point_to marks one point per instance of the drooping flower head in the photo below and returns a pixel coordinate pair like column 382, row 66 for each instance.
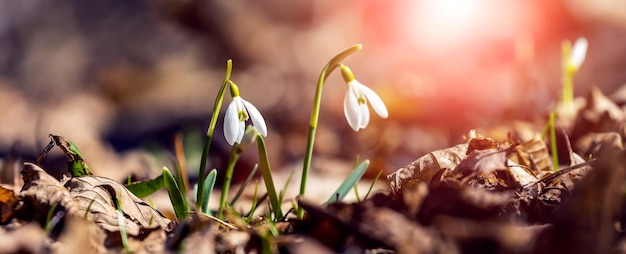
column 237, row 113
column 574, row 56
column 355, row 102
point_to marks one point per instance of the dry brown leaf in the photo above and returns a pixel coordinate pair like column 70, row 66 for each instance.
column 42, row 191
column 427, row 166
column 7, row 203
column 76, row 195
column 533, row 155
column 483, row 161
column 600, row 114
column 103, row 192
column 590, row 144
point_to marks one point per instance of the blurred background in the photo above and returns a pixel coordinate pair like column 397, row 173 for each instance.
column 121, row 78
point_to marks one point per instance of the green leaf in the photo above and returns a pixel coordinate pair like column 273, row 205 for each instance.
column 243, row 186
column 350, row 182
column 266, row 172
column 144, row 188
column 181, row 207
column 209, row 183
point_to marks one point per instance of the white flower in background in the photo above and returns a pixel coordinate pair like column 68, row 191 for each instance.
column 237, row 113
column 578, row 54
column 355, row 102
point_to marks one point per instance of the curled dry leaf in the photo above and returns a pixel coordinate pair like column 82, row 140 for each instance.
column 483, row 161
column 427, row 166
column 42, row 191
column 94, row 195
column 533, row 155
column 590, row 144
column 600, row 114
column 101, row 193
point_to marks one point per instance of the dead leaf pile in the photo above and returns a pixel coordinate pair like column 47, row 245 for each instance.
column 484, row 196
column 53, row 204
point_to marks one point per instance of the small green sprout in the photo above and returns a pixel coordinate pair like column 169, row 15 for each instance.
column 76, row 163
column 178, row 199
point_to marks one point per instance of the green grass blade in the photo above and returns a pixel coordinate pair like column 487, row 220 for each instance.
column 254, row 203
column 180, row 182
column 350, row 181
column 181, row 207
column 266, row 172
column 281, row 196
column 243, row 186
column 209, row 183
column 48, row 226
column 122, row 223
column 145, row 188
column 380, row 173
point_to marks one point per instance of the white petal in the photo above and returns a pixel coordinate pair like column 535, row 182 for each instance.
column 579, row 52
column 365, row 115
column 351, row 110
column 377, row 103
column 231, row 123
column 257, row 118
column 241, row 129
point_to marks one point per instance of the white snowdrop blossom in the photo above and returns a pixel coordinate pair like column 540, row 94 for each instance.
column 355, row 102
column 237, row 113
column 578, row 53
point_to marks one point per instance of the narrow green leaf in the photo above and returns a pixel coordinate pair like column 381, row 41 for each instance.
column 243, row 186
column 48, row 226
column 209, row 183
column 281, row 196
column 350, row 181
column 145, row 188
column 380, row 173
column 266, row 172
column 181, row 207
column 180, row 182
column 122, row 223
column 254, row 203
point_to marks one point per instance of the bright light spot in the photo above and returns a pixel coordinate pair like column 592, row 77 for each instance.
column 453, row 14
column 442, row 24
column 446, row 19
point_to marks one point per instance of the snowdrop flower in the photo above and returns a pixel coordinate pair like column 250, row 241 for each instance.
column 577, row 54
column 355, row 102
column 237, row 113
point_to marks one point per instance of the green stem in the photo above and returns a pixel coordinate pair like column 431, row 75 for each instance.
column 555, row 156
column 232, row 161
column 209, row 135
column 328, row 69
column 568, row 88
